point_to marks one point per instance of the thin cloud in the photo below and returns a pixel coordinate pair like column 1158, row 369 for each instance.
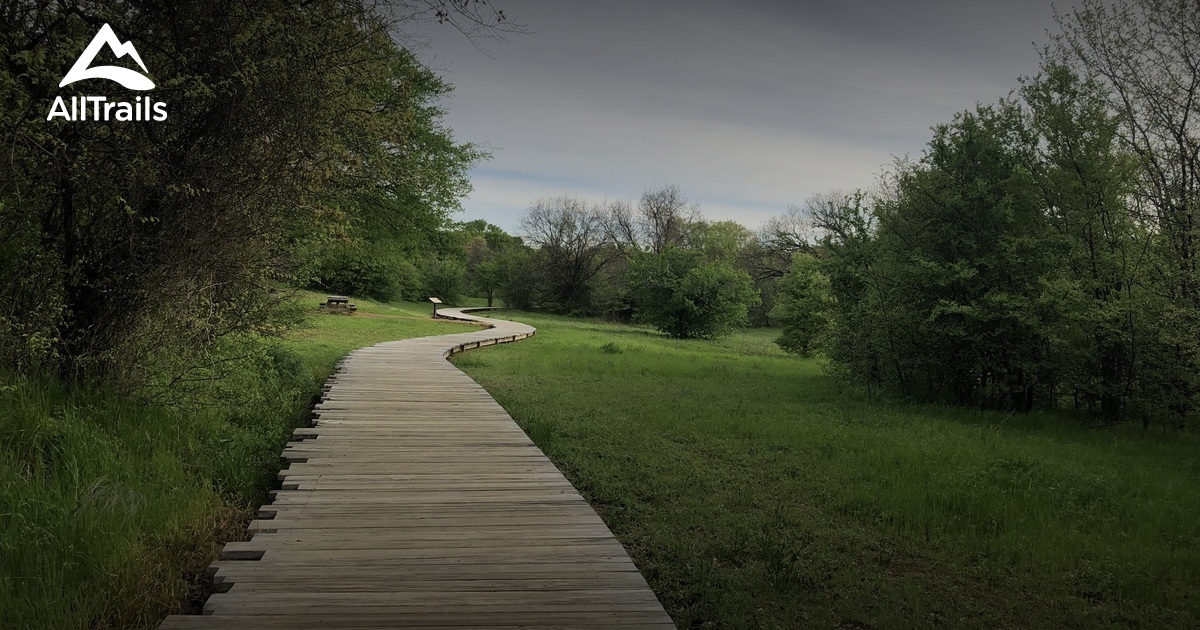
column 761, row 103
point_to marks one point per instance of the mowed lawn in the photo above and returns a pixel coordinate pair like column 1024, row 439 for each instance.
column 753, row 492
column 326, row 338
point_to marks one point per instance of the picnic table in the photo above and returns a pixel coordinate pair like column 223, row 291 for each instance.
column 338, row 305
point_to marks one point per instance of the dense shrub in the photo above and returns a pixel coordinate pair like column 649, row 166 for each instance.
column 803, row 306
column 357, row 271
column 685, row 296
column 443, row 278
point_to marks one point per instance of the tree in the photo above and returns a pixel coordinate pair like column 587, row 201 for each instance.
column 397, row 212
column 573, row 247
column 768, row 258
column 949, row 291
column 518, row 270
column 1086, row 182
column 279, row 114
column 686, row 296
column 804, row 306
column 664, row 218
column 1143, row 54
column 485, row 244
column 722, row 240
column 791, row 233
column 829, row 297
column 444, row 278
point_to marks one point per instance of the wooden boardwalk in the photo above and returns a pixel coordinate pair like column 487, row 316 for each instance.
column 417, row 502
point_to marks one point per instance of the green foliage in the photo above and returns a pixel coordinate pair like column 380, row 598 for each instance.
column 357, row 270
column 408, row 280
column 485, row 247
column 111, row 509
column 518, row 270
column 686, row 297
column 803, row 307
column 1015, row 265
column 583, row 259
column 290, row 125
column 1086, row 183
column 1138, row 61
column 443, row 278
column 962, row 251
column 752, row 490
column 487, row 277
column 723, row 240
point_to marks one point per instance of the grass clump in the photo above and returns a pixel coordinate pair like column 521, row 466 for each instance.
column 110, row 508
column 611, row 348
column 753, row 492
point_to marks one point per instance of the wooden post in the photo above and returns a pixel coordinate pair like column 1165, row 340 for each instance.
column 435, row 305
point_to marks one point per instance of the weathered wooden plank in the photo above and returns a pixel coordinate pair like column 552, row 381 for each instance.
column 413, row 501
column 451, row 620
column 516, row 571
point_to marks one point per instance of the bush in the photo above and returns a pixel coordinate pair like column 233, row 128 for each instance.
column 803, row 306
column 408, row 280
column 354, row 270
column 687, row 297
column 519, row 283
column 444, row 278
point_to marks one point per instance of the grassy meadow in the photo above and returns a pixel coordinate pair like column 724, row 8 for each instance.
column 753, row 492
column 749, row 488
column 110, row 509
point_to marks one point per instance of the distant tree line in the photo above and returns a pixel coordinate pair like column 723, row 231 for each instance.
column 1042, row 252
column 657, row 261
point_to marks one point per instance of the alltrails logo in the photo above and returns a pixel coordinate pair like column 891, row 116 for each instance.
column 99, row 107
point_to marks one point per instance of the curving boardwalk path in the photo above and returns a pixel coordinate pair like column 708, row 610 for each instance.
column 416, row 502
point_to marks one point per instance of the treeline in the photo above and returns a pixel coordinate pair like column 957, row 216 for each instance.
column 657, row 261
column 1043, row 251
column 449, row 262
column 153, row 251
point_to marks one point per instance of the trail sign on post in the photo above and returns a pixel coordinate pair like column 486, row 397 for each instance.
column 435, row 303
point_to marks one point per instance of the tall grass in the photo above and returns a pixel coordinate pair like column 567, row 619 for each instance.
column 111, row 509
column 104, row 507
column 754, row 492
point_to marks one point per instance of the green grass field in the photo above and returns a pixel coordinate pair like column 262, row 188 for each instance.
column 753, row 492
column 110, row 509
column 750, row 490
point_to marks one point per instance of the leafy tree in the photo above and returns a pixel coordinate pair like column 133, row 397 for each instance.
column 1086, row 183
column 443, row 278
column 722, row 240
column 769, row 256
column 843, row 228
column 485, row 243
column 1041, row 253
column 1142, row 54
column 686, row 296
column 488, row 277
column 399, row 213
column 948, row 293
column 804, row 305
column 358, row 270
column 518, row 269
column 285, row 119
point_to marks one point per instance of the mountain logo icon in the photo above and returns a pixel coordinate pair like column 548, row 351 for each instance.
column 126, row 77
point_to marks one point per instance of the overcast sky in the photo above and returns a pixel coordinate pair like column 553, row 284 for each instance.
column 747, row 106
